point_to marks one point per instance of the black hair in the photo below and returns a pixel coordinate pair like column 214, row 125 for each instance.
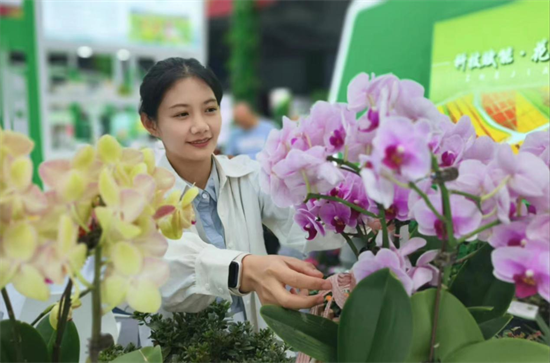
column 162, row 76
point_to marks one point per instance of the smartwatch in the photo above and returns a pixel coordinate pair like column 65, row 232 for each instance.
column 235, row 272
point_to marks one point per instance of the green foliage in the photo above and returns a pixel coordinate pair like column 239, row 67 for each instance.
column 210, row 336
column 376, row 323
column 115, row 351
column 456, row 327
column 70, row 344
column 147, row 354
column 33, row 347
column 315, row 336
column 502, row 350
column 244, row 44
column 475, row 285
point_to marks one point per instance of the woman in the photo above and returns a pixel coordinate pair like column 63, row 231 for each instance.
column 224, row 254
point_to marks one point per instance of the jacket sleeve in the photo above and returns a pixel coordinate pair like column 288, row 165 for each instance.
column 281, row 222
column 198, row 274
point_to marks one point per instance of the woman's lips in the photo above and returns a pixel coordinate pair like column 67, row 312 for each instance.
column 200, row 143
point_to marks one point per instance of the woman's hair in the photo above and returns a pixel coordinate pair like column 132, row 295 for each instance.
column 162, row 76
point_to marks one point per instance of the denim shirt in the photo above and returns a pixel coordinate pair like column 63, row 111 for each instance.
column 209, row 224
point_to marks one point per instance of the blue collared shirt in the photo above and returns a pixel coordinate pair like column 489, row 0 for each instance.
column 209, row 224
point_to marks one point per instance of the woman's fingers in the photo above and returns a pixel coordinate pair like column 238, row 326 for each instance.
column 296, row 302
column 302, row 266
column 301, row 281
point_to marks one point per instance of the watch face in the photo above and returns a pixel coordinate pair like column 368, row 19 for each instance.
column 233, row 279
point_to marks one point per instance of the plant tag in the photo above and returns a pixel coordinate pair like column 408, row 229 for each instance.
column 523, row 310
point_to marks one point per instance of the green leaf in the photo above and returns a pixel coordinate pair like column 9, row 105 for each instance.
column 307, row 333
column 147, row 354
column 70, row 344
column 456, row 327
column 492, row 327
column 506, row 350
column 475, row 284
column 376, row 322
column 33, row 346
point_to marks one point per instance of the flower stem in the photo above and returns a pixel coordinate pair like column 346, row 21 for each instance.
column 382, row 218
column 475, row 198
column 495, row 191
column 479, row 230
column 15, row 327
column 49, row 308
column 64, row 308
column 351, row 244
column 436, row 316
column 427, row 200
column 96, row 308
column 343, row 162
column 340, row 200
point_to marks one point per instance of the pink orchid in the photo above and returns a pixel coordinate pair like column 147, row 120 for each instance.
column 335, row 216
column 466, row 217
column 402, row 147
column 309, row 223
column 528, row 268
column 538, row 144
column 302, row 172
column 369, row 263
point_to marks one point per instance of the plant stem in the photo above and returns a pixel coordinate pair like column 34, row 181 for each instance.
column 42, row 314
column 350, row 170
column 427, row 200
column 96, row 308
column 382, row 218
column 14, row 325
column 340, row 200
column 64, row 308
column 343, row 162
column 480, row 229
column 467, row 195
column 351, row 244
column 544, row 328
column 436, row 316
column 397, row 235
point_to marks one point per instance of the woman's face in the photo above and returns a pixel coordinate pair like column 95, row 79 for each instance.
column 189, row 120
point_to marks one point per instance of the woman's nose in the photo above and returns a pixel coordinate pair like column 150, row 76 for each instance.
column 199, row 125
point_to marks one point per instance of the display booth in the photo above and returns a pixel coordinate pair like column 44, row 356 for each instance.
column 485, row 63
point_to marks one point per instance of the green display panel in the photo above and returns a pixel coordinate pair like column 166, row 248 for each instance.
column 394, row 36
column 19, row 72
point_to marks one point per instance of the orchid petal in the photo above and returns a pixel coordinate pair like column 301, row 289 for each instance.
column 50, row 171
column 66, row 235
column 127, row 259
column 109, row 150
column 149, row 159
column 21, row 173
column 20, row 241
column 30, row 283
column 131, row 204
column 113, row 290
column 84, row 158
column 144, row 296
column 109, row 189
column 189, row 196
column 73, row 186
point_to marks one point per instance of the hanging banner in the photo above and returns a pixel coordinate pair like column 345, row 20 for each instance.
column 492, row 67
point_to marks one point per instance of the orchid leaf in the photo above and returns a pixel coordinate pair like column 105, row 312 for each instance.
column 307, row 333
column 376, row 323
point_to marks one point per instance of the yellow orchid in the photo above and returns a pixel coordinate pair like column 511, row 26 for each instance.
column 20, row 244
column 18, row 196
column 134, row 278
column 64, row 256
column 54, row 315
column 183, row 217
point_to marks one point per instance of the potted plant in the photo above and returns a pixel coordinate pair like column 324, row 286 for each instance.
column 417, row 189
column 107, row 203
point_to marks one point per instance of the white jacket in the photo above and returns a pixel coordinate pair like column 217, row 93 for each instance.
column 199, row 271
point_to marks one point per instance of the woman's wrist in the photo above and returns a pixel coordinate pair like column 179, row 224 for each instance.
column 248, row 276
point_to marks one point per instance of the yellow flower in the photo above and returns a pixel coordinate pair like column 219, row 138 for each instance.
column 19, row 249
column 183, row 217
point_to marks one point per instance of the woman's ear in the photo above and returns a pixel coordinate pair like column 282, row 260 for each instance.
column 149, row 124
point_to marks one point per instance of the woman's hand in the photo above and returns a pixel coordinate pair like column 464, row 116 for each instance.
column 269, row 275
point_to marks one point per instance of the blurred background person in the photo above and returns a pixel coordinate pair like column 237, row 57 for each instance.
column 250, row 132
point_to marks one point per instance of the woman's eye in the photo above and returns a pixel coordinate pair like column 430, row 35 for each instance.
column 212, row 109
column 183, row 114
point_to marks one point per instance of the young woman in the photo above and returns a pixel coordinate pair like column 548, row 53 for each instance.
column 224, row 254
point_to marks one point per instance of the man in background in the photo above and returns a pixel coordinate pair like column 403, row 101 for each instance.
column 250, row 134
